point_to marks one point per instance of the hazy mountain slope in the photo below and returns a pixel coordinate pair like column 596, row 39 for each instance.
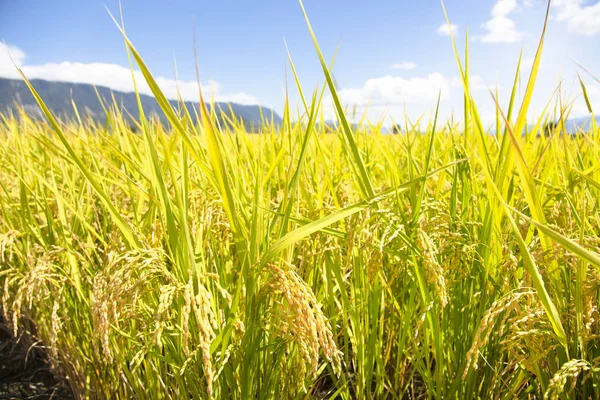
column 58, row 95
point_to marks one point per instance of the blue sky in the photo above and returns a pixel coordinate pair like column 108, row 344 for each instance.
column 393, row 54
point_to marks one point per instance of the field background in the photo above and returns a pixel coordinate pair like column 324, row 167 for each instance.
column 197, row 260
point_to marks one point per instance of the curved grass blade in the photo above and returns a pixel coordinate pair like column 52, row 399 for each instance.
column 531, row 267
column 130, row 238
column 315, row 226
column 575, row 248
column 585, row 95
column 364, row 180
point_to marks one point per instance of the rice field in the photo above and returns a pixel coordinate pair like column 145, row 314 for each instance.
column 195, row 260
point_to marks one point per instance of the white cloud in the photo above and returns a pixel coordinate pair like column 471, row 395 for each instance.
column 406, row 65
column 7, row 69
column 503, row 7
column 389, row 95
column 446, row 30
column 476, row 83
column 527, row 64
column 593, row 90
column 113, row 76
column 500, row 28
column 394, row 96
column 394, row 90
column 580, row 18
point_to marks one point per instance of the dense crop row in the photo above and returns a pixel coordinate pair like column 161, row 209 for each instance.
column 198, row 260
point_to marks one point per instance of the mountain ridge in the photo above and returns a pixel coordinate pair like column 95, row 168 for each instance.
column 58, row 96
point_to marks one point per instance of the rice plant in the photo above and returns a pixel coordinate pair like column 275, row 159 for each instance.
column 195, row 260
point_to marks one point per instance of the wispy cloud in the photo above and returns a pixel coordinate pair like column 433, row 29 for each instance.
column 114, row 76
column 446, row 30
column 500, row 28
column 580, row 18
column 405, row 65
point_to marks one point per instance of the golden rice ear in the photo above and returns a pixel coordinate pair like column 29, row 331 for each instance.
column 571, row 370
column 300, row 319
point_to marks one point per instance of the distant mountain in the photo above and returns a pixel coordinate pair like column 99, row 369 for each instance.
column 58, row 95
column 571, row 125
column 335, row 125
